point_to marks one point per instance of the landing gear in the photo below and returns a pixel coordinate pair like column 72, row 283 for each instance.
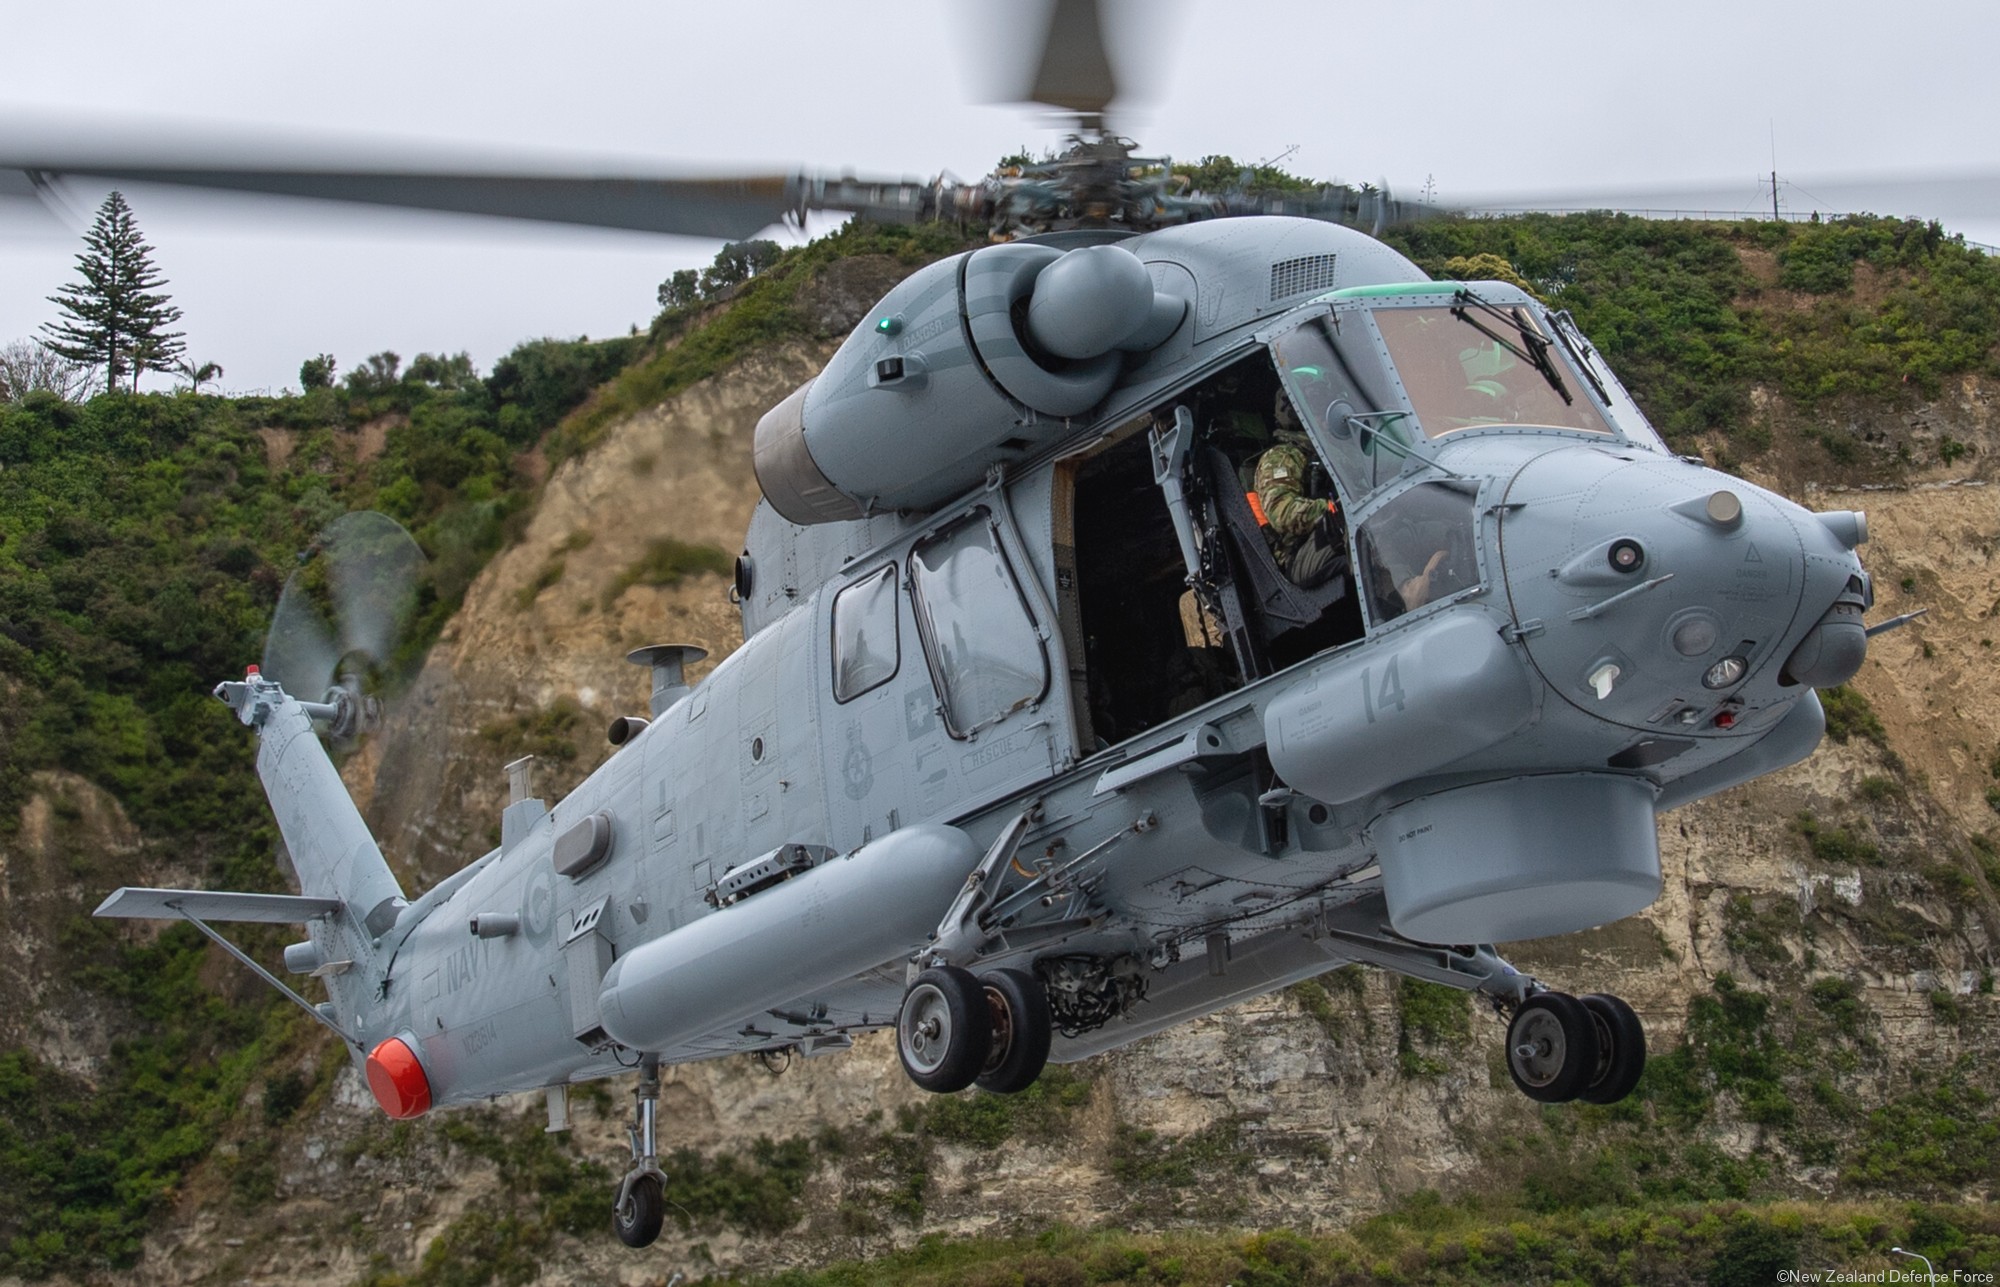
column 640, row 1213
column 1561, row 1048
column 1552, row 1047
column 956, row 1030
column 641, row 1206
column 943, row 1033
column 1022, row 1030
column 1621, row 1049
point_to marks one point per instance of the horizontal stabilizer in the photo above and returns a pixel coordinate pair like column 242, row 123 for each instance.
column 214, row 905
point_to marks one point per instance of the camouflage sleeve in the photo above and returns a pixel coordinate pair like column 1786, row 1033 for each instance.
column 1281, row 488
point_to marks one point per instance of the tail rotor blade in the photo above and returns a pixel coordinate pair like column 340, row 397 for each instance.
column 372, row 570
column 300, row 652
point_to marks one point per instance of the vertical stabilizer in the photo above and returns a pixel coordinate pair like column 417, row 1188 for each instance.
column 331, row 847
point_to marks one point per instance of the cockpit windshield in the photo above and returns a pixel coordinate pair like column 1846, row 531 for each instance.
column 1474, row 365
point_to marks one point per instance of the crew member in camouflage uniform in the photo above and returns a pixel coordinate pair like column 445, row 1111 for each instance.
column 1293, row 522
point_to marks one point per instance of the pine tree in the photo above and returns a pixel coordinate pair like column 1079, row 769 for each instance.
column 114, row 318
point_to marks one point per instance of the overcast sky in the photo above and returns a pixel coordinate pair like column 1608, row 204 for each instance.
column 1534, row 96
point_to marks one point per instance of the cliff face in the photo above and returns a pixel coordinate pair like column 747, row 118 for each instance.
column 1822, row 955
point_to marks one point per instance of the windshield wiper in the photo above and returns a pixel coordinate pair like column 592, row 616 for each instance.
column 1537, row 352
column 1572, row 339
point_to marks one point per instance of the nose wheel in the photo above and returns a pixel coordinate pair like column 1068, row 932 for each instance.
column 956, row 1029
column 640, row 1208
column 1561, row 1048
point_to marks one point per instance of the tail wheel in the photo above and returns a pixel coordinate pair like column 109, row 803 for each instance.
column 942, row 1032
column 1621, row 1054
column 1022, row 1031
column 1552, row 1047
column 640, row 1212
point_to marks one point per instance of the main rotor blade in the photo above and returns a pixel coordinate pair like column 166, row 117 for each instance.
column 722, row 207
column 387, row 172
column 1074, row 70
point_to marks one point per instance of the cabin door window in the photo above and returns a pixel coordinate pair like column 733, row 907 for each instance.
column 985, row 651
column 866, row 650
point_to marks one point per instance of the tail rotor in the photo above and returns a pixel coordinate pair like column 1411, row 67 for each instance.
column 341, row 616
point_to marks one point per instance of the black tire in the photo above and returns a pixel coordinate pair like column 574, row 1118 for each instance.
column 942, row 1032
column 638, row 1218
column 1621, row 1054
column 1018, row 1010
column 1559, row 1039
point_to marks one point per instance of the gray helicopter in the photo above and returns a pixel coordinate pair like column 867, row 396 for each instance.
column 1041, row 739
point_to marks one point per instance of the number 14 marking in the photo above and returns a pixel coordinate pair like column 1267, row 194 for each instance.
column 1390, row 694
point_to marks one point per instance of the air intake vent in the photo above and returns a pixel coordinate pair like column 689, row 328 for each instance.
column 1301, row 276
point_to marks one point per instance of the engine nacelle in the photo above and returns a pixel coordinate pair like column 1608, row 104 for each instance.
column 971, row 362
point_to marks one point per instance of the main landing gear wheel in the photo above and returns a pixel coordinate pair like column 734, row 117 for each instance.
column 942, row 1032
column 1022, row 1028
column 1621, row 1049
column 1552, row 1047
column 640, row 1212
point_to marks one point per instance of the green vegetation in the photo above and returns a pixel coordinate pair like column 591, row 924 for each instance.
column 1425, row 1239
column 1334, row 1001
column 1934, row 1140
column 1678, row 310
column 114, row 318
column 1839, row 846
column 82, row 1165
column 545, row 733
column 757, row 1195
column 1848, row 716
column 1758, row 935
column 1879, row 790
column 737, row 262
column 143, row 542
column 548, row 1192
column 1433, row 1016
column 1145, row 1158
column 1040, row 1113
column 1217, row 174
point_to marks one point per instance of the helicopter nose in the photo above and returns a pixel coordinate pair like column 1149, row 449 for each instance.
column 1660, row 594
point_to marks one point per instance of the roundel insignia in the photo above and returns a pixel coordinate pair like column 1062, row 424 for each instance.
column 538, row 905
column 857, row 767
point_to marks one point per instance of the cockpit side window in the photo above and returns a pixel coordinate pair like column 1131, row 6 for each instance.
column 1326, row 395
column 1460, row 374
column 1419, row 548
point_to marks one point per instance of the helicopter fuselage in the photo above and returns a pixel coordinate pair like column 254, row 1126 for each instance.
column 1476, row 763
column 1027, row 687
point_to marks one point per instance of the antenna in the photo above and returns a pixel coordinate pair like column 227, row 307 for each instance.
column 1278, row 159
column 1775, row 216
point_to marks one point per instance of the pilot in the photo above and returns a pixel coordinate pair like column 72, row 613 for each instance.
column 1301, row 528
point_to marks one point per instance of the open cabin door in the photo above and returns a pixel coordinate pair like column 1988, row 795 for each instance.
column 1176, row 594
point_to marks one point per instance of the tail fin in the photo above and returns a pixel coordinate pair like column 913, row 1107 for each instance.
column 348, row 897
column 331, row 847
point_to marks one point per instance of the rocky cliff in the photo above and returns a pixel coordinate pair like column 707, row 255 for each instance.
column 1817, row 979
